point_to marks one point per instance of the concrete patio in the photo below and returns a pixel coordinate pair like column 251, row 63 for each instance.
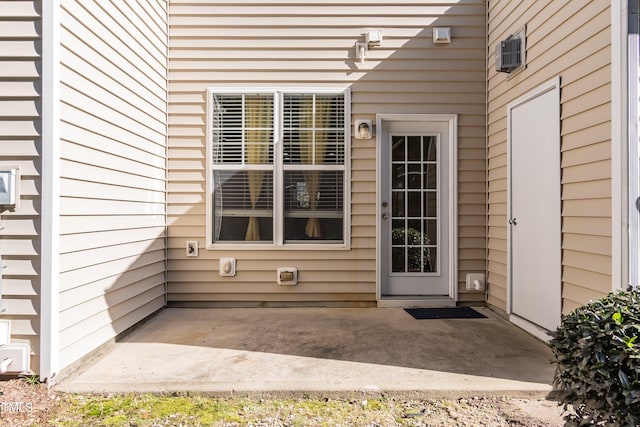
column 334, row 351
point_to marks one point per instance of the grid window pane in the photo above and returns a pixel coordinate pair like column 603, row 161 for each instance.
column 311, row 163
column 313, row 203
column 313, row 129
column 242, row 129
column 414, row 204
column 243, row 205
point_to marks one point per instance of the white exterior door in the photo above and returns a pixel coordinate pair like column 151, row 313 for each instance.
column 415, row 256
column 535, row 216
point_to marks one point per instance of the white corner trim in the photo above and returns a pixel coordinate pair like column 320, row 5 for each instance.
column 618, row 138
column 50, row 196
column 631, row 239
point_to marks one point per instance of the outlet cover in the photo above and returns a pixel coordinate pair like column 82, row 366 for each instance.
column 287, row 276
column 19, row 353
column 10, row 187
column 192, row 248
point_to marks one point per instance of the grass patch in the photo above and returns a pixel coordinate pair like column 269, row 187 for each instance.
column 146, row 410
column 153, row 410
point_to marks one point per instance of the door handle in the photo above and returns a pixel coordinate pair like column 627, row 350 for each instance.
column 385, row 216
column 513, row 221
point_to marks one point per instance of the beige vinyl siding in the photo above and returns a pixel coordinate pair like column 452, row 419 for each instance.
column 571, row 40
column 247, row 43
column 113, row 155
column 20, row 145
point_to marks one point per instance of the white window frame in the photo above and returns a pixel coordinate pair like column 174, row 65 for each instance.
column 279, row 169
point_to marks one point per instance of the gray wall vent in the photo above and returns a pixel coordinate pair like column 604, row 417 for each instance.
column 508, row 55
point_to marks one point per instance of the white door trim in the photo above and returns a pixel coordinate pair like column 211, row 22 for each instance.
column 540, row 90
column 452, row 123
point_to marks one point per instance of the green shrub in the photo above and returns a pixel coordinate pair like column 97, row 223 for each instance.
column 597, row 352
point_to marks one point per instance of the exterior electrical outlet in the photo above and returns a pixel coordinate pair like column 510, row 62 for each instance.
column 287, row 276
column 19, row 354
column 192, row 248
column 9, row 187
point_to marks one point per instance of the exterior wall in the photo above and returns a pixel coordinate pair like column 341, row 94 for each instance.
column 20, row 145
column 244, row 43
column 571, row 40
column 113, row 144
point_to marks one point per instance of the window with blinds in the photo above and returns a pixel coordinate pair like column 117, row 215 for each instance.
column 278, row 167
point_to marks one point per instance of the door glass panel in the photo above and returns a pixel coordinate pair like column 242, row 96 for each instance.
column 429, row 149
column 397, row 205
column 414, row 205
column 413, row 150
column 414, row 259
column 398, row 176
column 429, row 260
column 414, row 202
column 431, row 232
column 398, row 233
column 430, row 176
column 397, row 151
column 397, row 260
column 415, row 176
column 430, row 204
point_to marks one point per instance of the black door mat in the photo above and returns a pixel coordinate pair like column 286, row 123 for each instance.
column 445, row 313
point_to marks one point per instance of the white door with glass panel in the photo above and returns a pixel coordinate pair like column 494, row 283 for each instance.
column 414, row 209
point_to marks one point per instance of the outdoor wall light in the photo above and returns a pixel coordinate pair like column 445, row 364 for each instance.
column 372, row 38
column 363, row 129
column 441, row 35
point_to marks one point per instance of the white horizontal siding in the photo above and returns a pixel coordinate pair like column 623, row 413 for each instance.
column 20, row 145
column 112, row 187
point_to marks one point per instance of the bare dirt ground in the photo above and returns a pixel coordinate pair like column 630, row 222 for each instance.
column 26, row 404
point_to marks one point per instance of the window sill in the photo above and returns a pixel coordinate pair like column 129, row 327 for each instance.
column 272, row 247
column 267, row 213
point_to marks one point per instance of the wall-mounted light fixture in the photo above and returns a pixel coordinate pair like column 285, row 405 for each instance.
column 372, row 38
column 363, row 129
column 441, row 35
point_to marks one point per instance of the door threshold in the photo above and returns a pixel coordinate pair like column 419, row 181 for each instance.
column 410, row 301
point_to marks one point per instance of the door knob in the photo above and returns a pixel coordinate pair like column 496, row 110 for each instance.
column 385, row 216
column 513, row 221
